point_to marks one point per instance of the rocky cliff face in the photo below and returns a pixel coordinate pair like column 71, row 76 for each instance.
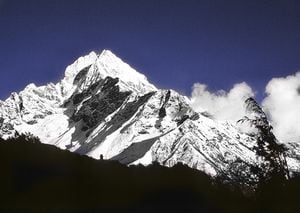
column 105, row 107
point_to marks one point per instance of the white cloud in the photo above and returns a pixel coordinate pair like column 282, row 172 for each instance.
column 221, row 104
column 282, row 104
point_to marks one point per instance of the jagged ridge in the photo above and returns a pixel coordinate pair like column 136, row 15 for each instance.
column 105, row 107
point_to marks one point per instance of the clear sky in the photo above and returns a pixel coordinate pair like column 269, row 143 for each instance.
column 175, row 43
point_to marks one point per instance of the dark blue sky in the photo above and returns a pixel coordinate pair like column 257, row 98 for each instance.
column 174, row 42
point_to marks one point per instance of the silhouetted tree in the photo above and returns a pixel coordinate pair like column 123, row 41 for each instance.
column 272, row 162
column 25, row 137
column 240, row 175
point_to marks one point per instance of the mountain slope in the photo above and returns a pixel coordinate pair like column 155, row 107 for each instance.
column 104, row 107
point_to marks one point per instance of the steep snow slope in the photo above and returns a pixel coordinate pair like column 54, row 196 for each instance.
column 104, row 107
column 22, row 111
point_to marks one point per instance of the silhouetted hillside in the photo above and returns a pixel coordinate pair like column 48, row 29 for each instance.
column 41, row 177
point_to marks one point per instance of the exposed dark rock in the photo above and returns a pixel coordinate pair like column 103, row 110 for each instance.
column 207, row 114
column 183, row 119
column 81, row 74
column 38, row 116
column 32, row 122
column 49, row 113
column 116, row 122
column 162, row 112
column 97, row 108
column 21, row 106
column 131, row 123
column 96, row 102
column 195, row 117
column 109, row 83
column 78, row 98
column 167, row 98
column 157, row 124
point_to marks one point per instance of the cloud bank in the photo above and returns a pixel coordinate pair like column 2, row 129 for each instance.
column 282, row 104
column 221, row 105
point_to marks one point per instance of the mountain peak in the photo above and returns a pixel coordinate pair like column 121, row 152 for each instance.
column 108, row 53
column 105, row 107
column 94, row 67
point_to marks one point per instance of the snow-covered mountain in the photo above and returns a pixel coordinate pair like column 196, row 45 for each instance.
column 104, row 107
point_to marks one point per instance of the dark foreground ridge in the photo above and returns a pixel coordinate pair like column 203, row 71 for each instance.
column 39, row 177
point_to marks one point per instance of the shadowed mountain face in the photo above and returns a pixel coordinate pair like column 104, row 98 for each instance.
column 104, row 107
